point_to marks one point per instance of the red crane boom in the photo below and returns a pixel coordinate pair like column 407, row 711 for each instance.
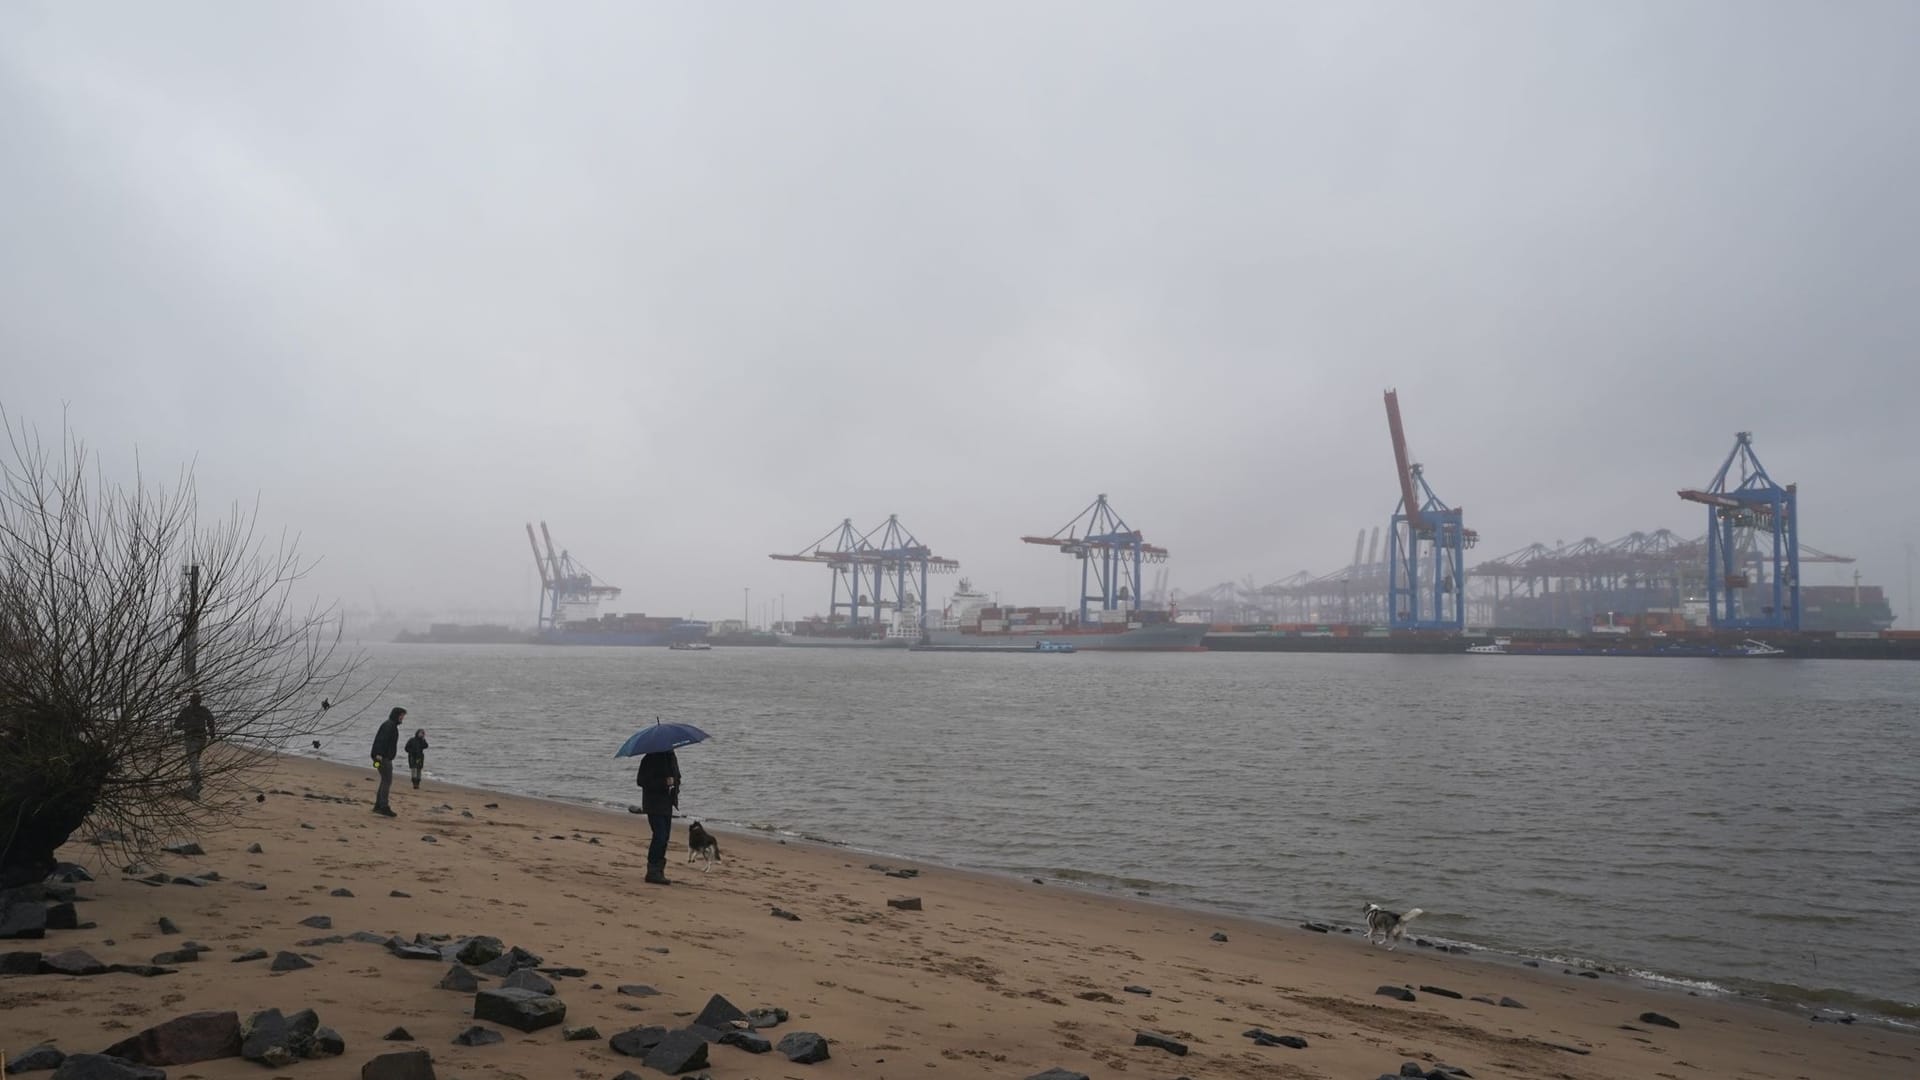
column 1409, row 503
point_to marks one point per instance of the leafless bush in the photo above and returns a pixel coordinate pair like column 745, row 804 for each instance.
column 116, row 604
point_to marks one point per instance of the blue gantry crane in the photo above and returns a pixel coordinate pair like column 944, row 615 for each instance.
column 1753, row 523
column 568, row 590
column 1426, row 558
column 1110, row 554
column 880, row 569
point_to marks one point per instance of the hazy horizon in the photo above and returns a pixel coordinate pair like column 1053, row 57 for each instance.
column 694, row 284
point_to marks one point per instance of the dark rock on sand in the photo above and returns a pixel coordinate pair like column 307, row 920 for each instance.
column 1141, row 990
column 1398, row 993
column 771, row 1016
column 803, row 1047
column 636, row 990
column 63, row 917
column 255, row 849
column 1484, row 1000
column 529, row 979
column 326, row 1043
column 719, row 1014
column 509, row 962
column 565, row 972
column 580, row 1034
column 254, row 885
column 20, row 963
column 69, row 873
column 1155, row 1039
column 782, row 913
column 903, row 873
column 1657, row 1020
column 250, row 954
column 367, row 937
column 71, row 962
column 522, row 1010
column 1058, row 1073
column 190, row 882
column 745, row 1040
column 200, row 1036
column 277, row 1041
column 407, row 950
column 1318, row 928
column 286, row 961
column 399, row 895
column 1509, row 1003
column 316, row 942
column 678, row 1052
column 478, row 950
column 1100, row 996
column 1412, row 1068
column 318, row 922
column 478, row 1036
column 103, row 1067
column 403, row 1065
column 177, row 956
column 22, row 918
column 398, row 1034
column 145, row 971
column 188, row 848
column 36, row 1060
column 342, row 893
column 905, row 903
column 635, row 1042
column 1440, row 991
column 459, row 979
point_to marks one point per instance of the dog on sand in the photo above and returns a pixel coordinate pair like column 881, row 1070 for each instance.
column 701, row 844
column 1388, row 926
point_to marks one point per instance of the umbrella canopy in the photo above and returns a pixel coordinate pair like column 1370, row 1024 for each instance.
column 661, row 737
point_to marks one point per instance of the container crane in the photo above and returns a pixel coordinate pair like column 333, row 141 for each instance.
column 1428, row 537
column 885, row 567
column 568, row 590
column 1110, row 554
column 1752, row 522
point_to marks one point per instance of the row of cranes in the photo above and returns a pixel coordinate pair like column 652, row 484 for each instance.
column 885, row 569
column 1751, row 552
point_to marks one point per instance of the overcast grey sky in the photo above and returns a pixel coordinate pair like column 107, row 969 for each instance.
column 694, row 282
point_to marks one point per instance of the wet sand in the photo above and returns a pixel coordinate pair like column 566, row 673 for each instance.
column 992, row 977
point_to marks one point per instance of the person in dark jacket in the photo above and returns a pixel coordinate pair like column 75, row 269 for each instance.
column 417, row 755
column 659, row 780
column 196, row 727
column 385, row 742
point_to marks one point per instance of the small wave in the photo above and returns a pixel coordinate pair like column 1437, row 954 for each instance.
column 1807, row 917
column 1829, row 999
column 1095, row 878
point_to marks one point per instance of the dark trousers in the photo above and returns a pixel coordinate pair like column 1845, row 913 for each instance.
column 662, row 831
column 416, row 773
column 195, row 747
column 386, row 784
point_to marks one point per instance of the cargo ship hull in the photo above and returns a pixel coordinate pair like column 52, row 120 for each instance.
column 1892, row 645
column 1151, row 637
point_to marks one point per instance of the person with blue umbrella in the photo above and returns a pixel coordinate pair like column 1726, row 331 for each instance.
column 659, row 783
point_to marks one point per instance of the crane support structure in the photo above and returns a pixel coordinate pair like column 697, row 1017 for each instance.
column 1752, row 523
column 568, row 590
column 1426, row 553
column 1110, row 555
column 882, row 569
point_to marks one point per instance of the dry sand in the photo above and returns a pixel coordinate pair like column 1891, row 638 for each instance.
column 992, row 978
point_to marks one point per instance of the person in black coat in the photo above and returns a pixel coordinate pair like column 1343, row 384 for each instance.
column 659, row 781
column 385, row 742
column 417, row 755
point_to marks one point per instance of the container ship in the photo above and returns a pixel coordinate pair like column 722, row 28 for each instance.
column 1692, row 642
column 629, row 630
column 971, row 619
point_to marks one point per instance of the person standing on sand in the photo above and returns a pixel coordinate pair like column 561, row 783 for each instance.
column 196, row 727
column 385, row 742
column 659, row 781
column 417, row 755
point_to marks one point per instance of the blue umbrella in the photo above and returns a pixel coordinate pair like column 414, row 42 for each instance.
column 661, row 737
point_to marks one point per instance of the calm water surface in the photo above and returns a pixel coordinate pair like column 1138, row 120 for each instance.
column 1747, row 823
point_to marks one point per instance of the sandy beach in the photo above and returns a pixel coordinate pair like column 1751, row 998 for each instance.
column 990, row 977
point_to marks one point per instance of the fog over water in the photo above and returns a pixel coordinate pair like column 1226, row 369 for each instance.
column 694, row 284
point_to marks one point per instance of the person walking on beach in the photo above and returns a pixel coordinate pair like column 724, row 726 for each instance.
column 385, row 742
column 659, row 780
column 417, row 755
column 196, row 727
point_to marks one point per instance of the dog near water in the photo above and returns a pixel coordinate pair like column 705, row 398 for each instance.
column 701, row 844
column 1388, row 926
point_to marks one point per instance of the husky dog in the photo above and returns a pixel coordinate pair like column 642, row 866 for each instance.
column 1388, row 926
column 701, row 844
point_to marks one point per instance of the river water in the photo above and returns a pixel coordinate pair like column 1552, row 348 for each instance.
column 1753, row 825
